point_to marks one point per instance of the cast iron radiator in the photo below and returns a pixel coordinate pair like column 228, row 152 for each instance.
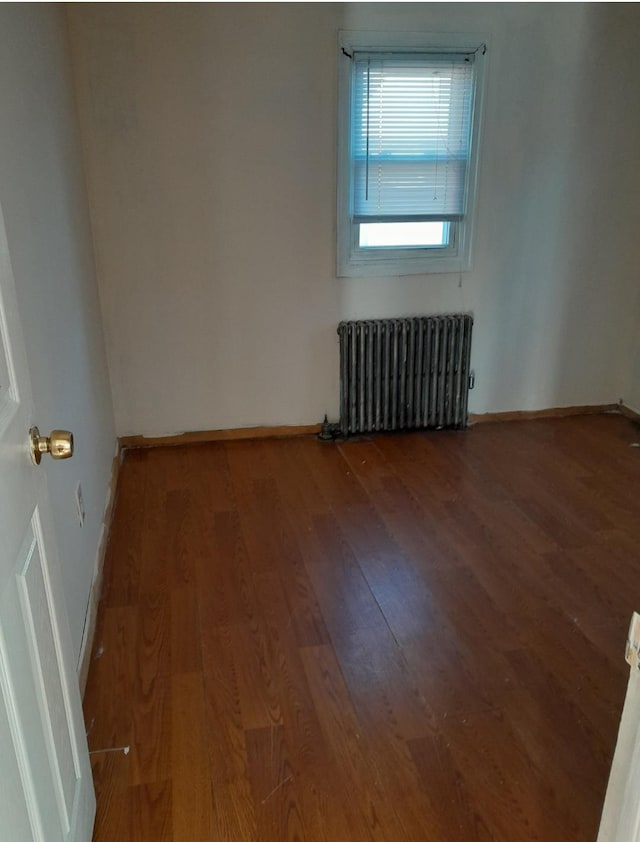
column 404, row 374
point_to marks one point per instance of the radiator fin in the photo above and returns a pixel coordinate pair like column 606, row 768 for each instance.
column 404, row 374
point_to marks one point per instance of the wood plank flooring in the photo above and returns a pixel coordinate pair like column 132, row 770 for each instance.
column 414, row 637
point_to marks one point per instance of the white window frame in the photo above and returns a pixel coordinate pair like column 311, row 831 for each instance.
column 353, row 261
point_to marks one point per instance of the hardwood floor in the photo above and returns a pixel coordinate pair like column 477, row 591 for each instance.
column 416, row 637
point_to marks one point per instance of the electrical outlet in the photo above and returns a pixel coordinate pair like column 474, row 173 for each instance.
column 79, row 505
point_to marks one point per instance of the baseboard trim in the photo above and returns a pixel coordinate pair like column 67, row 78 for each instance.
column 239, row 433
column 91, row 618
column 629, row 413
column 554, row 412
column 201, row 436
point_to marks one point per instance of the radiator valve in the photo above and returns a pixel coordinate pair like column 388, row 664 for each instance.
column 327, row 430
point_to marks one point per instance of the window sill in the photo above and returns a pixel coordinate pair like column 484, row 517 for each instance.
column 377, row 266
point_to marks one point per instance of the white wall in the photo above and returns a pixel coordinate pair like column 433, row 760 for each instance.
column 632, row 390
column 631, row 360
column 43, row 198
column 209, row 133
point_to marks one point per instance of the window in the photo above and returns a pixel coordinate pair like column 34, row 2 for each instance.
column 408, row 146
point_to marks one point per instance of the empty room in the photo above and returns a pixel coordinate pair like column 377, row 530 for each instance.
column 319, row 422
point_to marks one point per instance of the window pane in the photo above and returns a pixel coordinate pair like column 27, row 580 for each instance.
column 404, row 235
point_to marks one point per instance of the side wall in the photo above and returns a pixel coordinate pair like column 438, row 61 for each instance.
column 44, row 202
column 631, row 362
column 210, row 139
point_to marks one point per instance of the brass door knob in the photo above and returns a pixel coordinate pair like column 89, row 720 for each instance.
column 59, row 444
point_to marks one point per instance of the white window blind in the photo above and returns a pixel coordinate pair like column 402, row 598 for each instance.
column 410, row 144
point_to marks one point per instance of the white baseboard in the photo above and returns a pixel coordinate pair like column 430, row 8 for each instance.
column 91, row 617
column 630, row 412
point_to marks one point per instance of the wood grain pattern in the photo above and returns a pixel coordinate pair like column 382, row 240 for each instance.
column 412, row 638
column 150, row 811
column 192, row 803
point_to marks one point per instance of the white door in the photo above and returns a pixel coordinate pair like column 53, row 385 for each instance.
column 46, row 790
column 621, row 814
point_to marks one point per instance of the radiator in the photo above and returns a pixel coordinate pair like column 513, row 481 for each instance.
column 404, row 374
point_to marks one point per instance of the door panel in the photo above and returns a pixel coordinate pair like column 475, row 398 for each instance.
column 14, row 816
column 621, row 812
column 27, row 732
column 43, row 746
column 8, row 384
column 41, row 636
